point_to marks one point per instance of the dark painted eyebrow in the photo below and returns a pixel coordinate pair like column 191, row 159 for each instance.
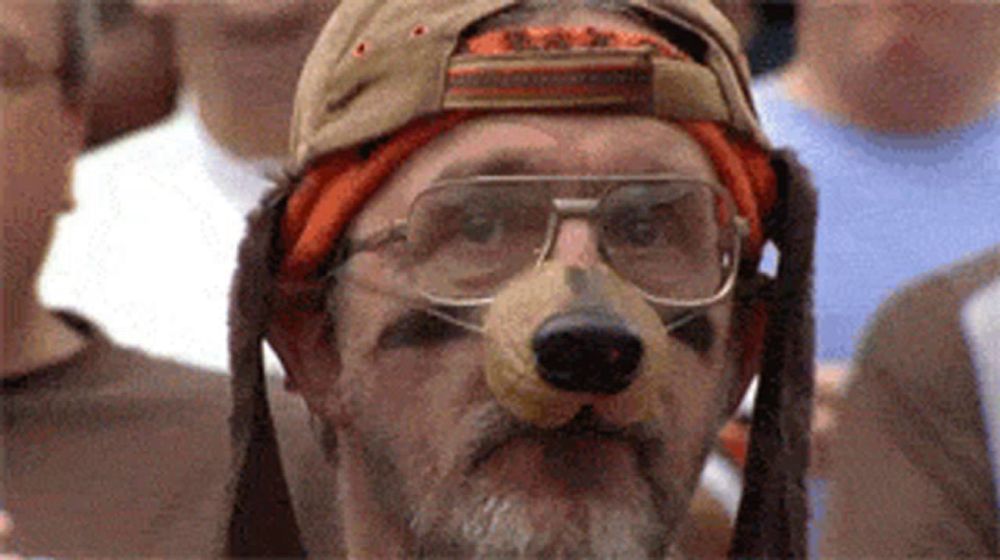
column 418, row 328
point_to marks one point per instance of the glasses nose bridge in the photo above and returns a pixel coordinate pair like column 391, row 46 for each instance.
column 566, row 208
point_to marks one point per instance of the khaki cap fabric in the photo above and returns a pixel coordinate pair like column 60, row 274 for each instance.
column 363, row 81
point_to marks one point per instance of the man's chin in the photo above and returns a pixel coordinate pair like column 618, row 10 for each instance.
column 572, row 497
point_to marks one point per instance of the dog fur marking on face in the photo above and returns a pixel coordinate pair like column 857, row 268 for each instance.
column 696, row 333
column 577, row 280
column 419, row 327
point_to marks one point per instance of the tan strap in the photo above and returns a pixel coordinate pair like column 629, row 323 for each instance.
column 686, row 91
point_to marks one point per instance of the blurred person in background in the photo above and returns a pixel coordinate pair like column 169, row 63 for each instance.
column 773, row 41
column 910, row 470
column 894, row 106
column 158, row 205
column 135, row 75
column 742, row 13
column 104, row 451
column 766, row 28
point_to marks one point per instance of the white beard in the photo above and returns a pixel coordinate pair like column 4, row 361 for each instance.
column 516, row 526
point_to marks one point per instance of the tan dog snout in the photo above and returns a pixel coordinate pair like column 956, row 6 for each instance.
column 560, row 338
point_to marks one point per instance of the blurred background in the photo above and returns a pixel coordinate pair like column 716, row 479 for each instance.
column 136, row 76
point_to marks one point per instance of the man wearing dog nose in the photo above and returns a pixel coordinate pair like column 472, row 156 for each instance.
column 513, row 274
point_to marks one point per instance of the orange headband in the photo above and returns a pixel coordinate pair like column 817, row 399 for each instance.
column 336, row 187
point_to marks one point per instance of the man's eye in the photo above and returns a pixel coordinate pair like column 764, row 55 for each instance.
column 641, row 232
column 481, row 227
column 633, row 228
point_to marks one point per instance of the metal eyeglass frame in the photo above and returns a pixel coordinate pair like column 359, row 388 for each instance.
column 563, row 208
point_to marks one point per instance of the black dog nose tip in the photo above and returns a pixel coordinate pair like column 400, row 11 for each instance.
column 588, row 352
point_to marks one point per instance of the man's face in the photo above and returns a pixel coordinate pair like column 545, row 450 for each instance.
column 918, row 37
column 428, row 443
column 39, row 138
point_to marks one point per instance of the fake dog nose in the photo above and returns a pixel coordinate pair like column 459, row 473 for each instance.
column 587, row 351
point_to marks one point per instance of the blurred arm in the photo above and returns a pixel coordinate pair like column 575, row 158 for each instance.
column 909, row 474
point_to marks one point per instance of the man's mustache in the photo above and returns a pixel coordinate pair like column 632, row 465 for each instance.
column 495, row 427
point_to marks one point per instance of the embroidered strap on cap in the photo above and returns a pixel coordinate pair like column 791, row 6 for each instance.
column 616, row 69
column 568, row 80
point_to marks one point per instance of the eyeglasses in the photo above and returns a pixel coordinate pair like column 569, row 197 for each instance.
column 676, row 239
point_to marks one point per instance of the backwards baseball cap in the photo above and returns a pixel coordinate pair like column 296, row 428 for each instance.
column 387, row 77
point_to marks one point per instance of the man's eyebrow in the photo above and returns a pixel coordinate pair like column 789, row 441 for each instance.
column 497, row 164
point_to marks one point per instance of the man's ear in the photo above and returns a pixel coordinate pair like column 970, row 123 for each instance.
column 305, row 344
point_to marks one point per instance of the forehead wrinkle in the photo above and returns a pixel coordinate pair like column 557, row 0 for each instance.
column 577, row 155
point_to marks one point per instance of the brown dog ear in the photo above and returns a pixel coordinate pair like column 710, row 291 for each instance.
column 773, row 513
column 748, row 330
column 300, row 332
column 261, row 518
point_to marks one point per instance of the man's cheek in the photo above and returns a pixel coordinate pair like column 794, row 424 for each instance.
column 425, row 392
column 695, row 397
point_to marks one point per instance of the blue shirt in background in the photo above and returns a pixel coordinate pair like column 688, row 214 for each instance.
column 891, row 206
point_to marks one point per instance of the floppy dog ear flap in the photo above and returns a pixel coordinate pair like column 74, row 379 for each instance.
column 260, row 518
column 772, row 517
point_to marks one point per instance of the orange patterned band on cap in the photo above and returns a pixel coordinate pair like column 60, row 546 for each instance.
column 336, row 186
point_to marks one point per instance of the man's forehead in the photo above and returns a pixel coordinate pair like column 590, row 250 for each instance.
column 539, row 144
column 588, row 144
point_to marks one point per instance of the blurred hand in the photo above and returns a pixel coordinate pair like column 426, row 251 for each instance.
column 831, row 381
column 6, row 532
